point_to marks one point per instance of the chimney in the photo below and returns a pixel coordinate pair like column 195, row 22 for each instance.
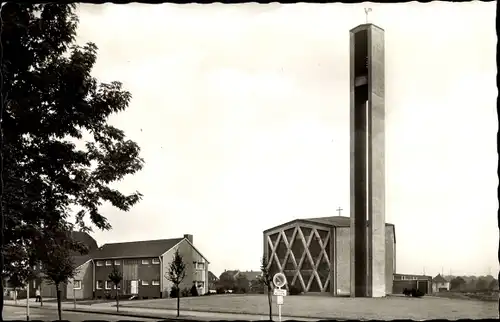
column 189, row 237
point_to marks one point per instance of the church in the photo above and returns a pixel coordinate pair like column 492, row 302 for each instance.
column 352, row 255
column 315, row 254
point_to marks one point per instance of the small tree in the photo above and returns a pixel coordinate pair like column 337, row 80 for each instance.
column 59, row 268
column 267, row 280
column 16, row 282
column 116, row 277
column 176, row 274
column 194, row 290
column 242, row 283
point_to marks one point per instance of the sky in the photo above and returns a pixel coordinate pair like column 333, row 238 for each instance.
column 242, row 115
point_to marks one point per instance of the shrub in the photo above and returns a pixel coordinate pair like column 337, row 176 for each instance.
column 185, row 292
column 416, row 293
column 194, row 290
column 220, row 290
column 173, row 292
column 294, row 290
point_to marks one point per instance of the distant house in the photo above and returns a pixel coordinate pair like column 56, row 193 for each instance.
column 440, row 284
column 230, row 273
column 400, row 282
column 145, row 265
column 212, row 281
column 250, row 275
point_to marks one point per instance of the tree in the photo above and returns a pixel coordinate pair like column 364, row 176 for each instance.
column 457, row 284
column 242, row 283
column 226, row 281
column 116, row 277
column 194, row 290
column 267, row 280
column 49, row 102
column 493, row 286
column 58, row 265
column 16, row 282
column 482, row 284
column 176, row 274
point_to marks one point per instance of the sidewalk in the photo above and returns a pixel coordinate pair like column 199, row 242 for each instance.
column 151, row 313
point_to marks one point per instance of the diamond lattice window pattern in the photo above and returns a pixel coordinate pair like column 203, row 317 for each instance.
column 302, row 253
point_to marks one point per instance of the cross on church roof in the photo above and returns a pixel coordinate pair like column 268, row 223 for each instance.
column 339, row 210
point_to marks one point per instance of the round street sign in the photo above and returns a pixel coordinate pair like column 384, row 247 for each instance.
column 279, row 280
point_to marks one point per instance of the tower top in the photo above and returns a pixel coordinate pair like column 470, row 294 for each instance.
column 365, row 26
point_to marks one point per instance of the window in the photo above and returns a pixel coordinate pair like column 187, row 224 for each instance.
column 99, row 263
column 200, row 265
column 117, row 263
column 77, row 284
column 116, row 286
column 108, row 285
column 145, row 262
column 143, row 282
column 155, row 282
column 108, row 263
column 99, row 285
column 155, row 261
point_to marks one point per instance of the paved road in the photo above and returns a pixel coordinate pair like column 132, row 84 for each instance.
column 19, row 313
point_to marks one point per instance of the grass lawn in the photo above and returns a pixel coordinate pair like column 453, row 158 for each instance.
column 396, row 307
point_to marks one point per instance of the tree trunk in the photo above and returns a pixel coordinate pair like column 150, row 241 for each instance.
column 58, row 293
column 270, row 301
column 178, row 301
column 117, row 301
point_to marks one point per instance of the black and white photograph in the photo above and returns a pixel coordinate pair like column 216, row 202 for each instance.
column 247, row 161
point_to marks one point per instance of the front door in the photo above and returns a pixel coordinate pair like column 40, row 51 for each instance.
column 134, row 287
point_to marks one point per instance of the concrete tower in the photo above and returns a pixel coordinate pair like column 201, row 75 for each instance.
column 367, row 114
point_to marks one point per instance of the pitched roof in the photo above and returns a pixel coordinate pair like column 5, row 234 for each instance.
column 231, row 273
column 439, row 279
column 80, row 260
column 145, row 248
column 85, row 238
column 251, row 275
column 212, row 277
column 337, row 221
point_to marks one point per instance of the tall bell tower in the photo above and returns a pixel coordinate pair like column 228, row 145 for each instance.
column 367, row 173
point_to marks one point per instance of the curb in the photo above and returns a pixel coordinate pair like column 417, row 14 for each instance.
column 132, row 315
column 244, row 313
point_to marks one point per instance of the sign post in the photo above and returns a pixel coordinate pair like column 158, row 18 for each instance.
column 28, row 301
column 74, row 297
column 279, row 280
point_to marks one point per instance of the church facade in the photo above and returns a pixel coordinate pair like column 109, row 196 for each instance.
column 315, row 254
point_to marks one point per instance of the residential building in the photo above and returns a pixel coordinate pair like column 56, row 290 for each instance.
column 47, row 289
column 440, row 284
column 250, row 275
column 145, row 266
column 212, row 281
column 315, row 254
column 411, row 281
